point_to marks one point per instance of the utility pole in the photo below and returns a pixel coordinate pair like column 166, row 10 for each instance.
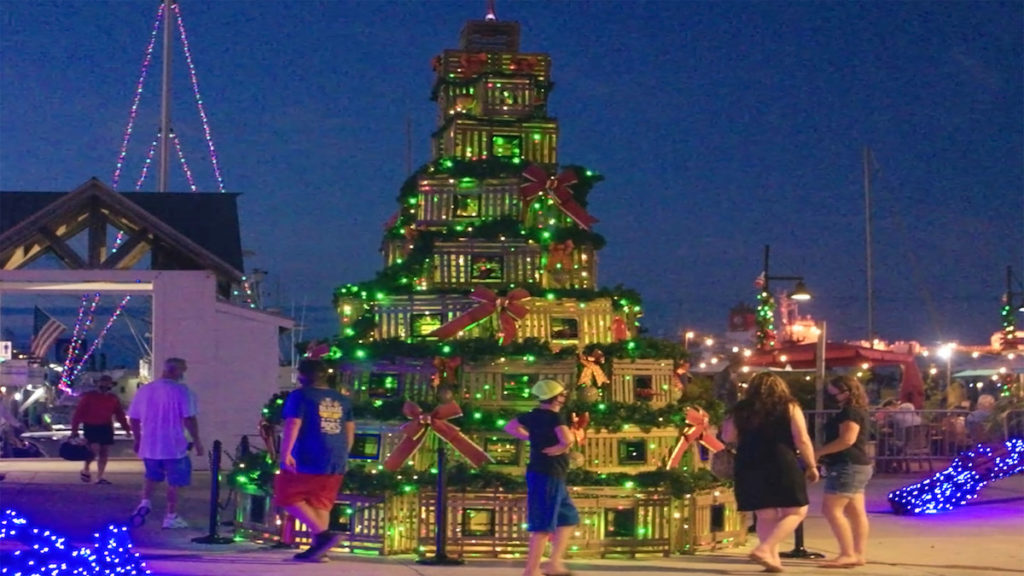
column 867, row 243
column 165, row 100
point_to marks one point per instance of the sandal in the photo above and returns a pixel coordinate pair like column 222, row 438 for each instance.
column 85, row 477
column 103, row 481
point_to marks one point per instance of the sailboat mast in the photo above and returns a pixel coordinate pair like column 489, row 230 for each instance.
column 165, row 100
column 867, row 243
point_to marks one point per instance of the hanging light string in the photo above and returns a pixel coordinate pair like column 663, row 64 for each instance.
column 145, row 172
column 199, row 98
column 138, row 95
column 100, row 337
column 82, row 325
column 184, row 163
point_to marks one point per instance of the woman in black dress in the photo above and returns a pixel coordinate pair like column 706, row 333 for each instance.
column 771, row 435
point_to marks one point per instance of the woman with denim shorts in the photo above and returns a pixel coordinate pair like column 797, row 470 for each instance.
column 848, row 469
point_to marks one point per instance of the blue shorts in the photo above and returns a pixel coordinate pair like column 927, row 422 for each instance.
column 178, row 471
column 847, row 478
column 548, row 505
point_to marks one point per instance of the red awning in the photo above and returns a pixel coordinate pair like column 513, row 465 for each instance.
column 802, row 357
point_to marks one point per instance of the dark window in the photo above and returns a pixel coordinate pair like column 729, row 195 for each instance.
column 516, row 387
column 565, row 329
column 643, row 388
column 382, row 385
column 365, row 447
column 421, row 324
column 632, row 452
column 506, row 146
column 478, row 522
column 619, row 522
column 504, row 451
column 466, row 206
column 487, row 268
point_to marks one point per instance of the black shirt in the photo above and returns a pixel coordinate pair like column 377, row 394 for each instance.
column 857, row 453
column 541, row 424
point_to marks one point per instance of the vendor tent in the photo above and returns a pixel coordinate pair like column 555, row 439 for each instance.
column 837, row 354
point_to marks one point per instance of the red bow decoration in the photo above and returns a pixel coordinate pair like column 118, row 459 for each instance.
column 698, row 428
column 557, row 187
column 473, row 64
column 317, row 349
column 509, row 310
column 435, row 63
column 578, row 425
column 415, row 431
column 445, row 370
column 592, row 371
column 560, row 253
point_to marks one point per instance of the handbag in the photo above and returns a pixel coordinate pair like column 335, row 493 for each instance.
column 723, row 464
column 75, row 450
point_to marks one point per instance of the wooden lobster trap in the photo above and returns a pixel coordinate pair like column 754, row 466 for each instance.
column 707, row 520
column 506, row 382
column 651, row 381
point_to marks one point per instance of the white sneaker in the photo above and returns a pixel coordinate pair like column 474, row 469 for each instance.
column 174, row 521
column 139, row 517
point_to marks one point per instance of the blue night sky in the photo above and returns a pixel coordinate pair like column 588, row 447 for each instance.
column 720, row 127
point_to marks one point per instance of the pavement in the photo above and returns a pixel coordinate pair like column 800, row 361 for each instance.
column 983, row 538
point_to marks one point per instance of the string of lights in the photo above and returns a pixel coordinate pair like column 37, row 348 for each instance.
column 147, row 59
column 184, row 163
column 100, row 337
column 82, row 324
column 46, row 553
column 142, row 177
column 960, row 483
column 199, row 98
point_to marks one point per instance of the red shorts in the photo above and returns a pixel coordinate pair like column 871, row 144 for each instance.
column 318, row 490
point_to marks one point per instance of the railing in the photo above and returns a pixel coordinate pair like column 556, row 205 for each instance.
column 904, row 441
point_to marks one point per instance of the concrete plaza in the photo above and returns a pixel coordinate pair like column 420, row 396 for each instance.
column 986, row 537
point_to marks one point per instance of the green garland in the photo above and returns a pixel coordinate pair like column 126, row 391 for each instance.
column 256, row 472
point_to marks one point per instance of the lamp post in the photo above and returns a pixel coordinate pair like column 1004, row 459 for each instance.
column 686, row 339
column 766, row 304
column 946, row 352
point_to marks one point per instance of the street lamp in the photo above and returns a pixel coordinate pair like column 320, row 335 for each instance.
column 946, row 352
column 799, row 292
column 766, row 304
column 687, row 337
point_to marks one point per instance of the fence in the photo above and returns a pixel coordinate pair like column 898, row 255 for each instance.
column 906, row 441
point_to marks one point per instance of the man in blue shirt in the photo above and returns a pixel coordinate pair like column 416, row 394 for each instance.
column 317, row 434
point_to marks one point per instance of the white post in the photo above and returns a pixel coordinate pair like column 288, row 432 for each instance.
column 819, row 386
column 165, row 99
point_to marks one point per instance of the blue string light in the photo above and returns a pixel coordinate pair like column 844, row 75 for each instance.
column 41, row 552
column 962, row 481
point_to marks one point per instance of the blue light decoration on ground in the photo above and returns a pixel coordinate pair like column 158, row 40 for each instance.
column 40, row 552
column 962, row 481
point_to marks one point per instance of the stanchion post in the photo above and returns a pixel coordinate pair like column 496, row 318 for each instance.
column 213, row 537
column 441, row 557
column 798, row 550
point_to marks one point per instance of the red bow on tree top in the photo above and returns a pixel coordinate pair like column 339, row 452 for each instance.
column 415, row 432
column 557, row 187
column 698, row 427
column 578, row 426
column 509, row 310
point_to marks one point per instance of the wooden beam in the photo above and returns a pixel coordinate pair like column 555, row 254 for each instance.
column 97, row 235
column 69, row 257
column 129, row 252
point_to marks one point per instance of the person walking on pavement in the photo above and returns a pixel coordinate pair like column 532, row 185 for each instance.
column 316, row 437
column 771, row 435
column 95, row 412
column 550, row 512
column 161, row 412
column 847, row 470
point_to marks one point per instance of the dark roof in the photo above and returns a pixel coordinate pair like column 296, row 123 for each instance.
column 209, row 219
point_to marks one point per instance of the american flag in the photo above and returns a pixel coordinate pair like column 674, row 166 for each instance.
column 759, row 281
column 47, row 329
